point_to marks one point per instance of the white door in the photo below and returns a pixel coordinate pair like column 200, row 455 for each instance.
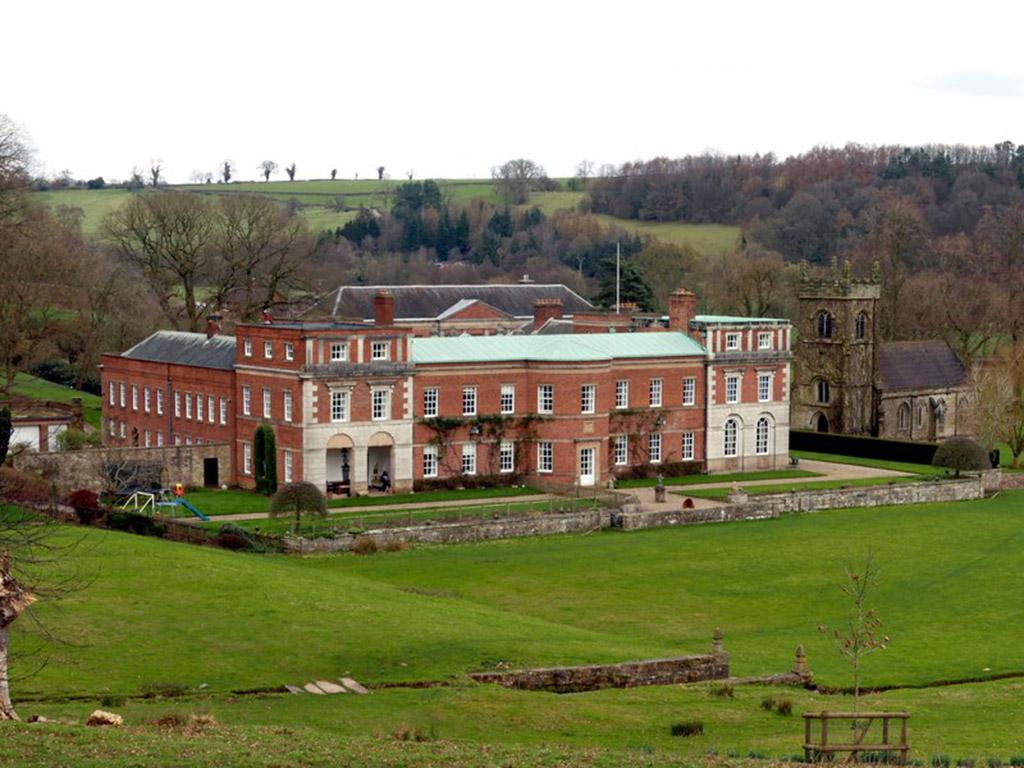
column 588, row 457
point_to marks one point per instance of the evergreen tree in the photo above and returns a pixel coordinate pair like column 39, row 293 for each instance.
column 501, row 223
column 259, row 469
column 443, row 243
column 633, row 287
column 462, row 233
column 270, row 460
column 6, row 430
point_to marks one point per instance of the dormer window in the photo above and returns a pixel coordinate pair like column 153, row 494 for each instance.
column 380, row 350
column 339, row 352
column 732, row 341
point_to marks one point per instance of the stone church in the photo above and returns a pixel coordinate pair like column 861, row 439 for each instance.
column 847, row 381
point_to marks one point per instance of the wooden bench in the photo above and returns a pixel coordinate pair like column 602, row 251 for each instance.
column 854, row 739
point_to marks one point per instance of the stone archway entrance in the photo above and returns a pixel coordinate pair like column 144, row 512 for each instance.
column 339, row 464
column 379, row 455
column 820, row 422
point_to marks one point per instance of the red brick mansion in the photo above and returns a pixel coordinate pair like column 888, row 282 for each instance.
column 350, row 400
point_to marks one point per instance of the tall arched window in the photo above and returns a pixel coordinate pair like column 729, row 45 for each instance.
column 731, row 445
column 824, row 325
column 903, row 418
column 762, row 438
column 823, row 391
column 862, row 325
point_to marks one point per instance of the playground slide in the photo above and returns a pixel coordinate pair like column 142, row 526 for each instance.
column 193, row 510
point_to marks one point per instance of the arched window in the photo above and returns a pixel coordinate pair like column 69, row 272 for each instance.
column 903, row 418
column 862, row 325
column 823, row 391
column 731, row 430
column 762, row 440
column 824, row 325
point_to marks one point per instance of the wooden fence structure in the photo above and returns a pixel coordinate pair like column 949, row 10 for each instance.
column 854, row 739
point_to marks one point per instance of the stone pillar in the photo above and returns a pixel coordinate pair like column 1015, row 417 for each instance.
column 800, row 666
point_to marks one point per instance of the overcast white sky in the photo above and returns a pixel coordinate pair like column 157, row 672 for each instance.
column 449, row 89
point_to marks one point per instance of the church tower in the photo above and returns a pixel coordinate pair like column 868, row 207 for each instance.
column 836, row 356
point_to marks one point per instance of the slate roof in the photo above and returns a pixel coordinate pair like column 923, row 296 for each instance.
column 428, row 302
column 580, row 347
column 182, row 348
column 905, row 366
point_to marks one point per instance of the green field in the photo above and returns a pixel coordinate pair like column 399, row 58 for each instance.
column 823, row 485
column 706, row 239
column 26, row 385
column 215, row 621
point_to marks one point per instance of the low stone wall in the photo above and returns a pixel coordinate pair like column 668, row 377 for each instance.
column 776, row 504
column 1010, row 481
column 85, row 468
column 462, row 531
column 628, row 674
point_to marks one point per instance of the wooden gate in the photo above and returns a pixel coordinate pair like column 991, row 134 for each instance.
column 857, row 737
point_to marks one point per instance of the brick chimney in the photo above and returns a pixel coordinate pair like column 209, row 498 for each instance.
column 682, row 307
column 384, row 309
column 544, row 310
column 213, row 326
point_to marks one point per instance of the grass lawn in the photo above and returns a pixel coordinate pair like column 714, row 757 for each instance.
column 312, row 526
column 706, row 239
column 27, row 385
column 822, row 485
column 860, row 461
column 728, row 477
column 238, row 502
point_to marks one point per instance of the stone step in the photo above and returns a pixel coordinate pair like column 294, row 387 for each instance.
column 313, row 688
column 328, row 687
column 352, row 685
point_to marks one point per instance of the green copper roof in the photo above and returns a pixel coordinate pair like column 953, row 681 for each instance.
column 736, row 320
column 567, row 347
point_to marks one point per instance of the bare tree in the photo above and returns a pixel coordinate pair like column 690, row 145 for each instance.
column 380, row 173
column 585, row 169
column 334, row 173
column 135, row 179
column 290, row 170
column 225, row 171
column 14, row 176
column 408, row 175
column 515, row 178
column 167, row 236
column 154, row 172
column 268, row 167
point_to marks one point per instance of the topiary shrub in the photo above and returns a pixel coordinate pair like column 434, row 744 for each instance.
column 86, row 504
column 961, row 453
column 234, row 537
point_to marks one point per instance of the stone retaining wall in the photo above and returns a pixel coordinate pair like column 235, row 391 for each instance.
column 1011, row 481
column 628, row 674
column 461, row 531
column 85, row 468
column 776, row 504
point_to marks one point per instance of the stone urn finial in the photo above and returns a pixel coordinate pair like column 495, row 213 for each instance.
column 716, row 641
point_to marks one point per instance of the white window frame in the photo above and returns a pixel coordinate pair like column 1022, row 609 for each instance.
column 211, row 407
column 135, row 397
column 732, row 341
column 147, row 400
column 159, row 439
column 289, row 406
column 469, row 393
column 469, row 458
column 762, row 441
column 122, row 394
column 339, row 351
column 730, row 439
column 112, row 427
column 188, row 405
column 289, row 466
column 268, row 350
column 146, row 438
column 508, row 398
column 122, row 429
column 159, row 401
column 430, row 461
column 655, row 392
column 247, row 347
column 688, row 447
column 246, row 458
column 246, row 400
column 545, row 456
column 588, row 398
column 380, row 404
column 506, row 456
column 339, row 405
column 289, row 351
column 177, row 404
column 431, row 398
column 732, row 388
column 654, row 448
column 380, row 350
column 689, row 391
column 267, row 403
column 764, row 387
column 199, row 407
column 177, row 439
column 765, row 340
column 622, row 393
column 621, row 450
column 111, row 393
column 546, row 398
column 223, row 410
